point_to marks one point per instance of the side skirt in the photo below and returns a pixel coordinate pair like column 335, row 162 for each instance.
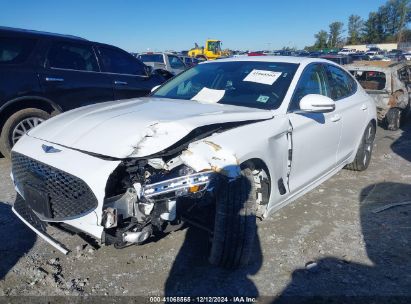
column 304, row 190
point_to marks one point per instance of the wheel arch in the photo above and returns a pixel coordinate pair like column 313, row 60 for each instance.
column 17, row 104
column 257, row 163
column 374, row 122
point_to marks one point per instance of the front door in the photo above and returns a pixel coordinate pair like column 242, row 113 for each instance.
column 315, row 136
column 128, row 74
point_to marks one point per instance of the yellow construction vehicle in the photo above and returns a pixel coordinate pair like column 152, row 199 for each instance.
column 211, row 51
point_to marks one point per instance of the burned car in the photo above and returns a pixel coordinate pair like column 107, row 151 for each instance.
column 388, row 83
column 217, row 146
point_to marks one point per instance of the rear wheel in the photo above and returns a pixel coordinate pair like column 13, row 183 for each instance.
column 363, row 156
column 393, row 119
column 235, row 222
column 19, row 124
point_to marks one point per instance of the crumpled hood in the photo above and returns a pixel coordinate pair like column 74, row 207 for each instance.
column 137, row 127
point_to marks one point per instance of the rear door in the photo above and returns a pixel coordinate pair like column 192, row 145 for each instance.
column 72, row 77
column 352, row 108
column 127, row 73
column 18, row 73
column 315, row 136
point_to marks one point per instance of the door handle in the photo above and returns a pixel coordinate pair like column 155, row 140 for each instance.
column 120, row 82
column 364, row 107
column 54, row 79
column 335, row 118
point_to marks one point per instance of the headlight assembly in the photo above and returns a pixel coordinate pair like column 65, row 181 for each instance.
column 182, row 185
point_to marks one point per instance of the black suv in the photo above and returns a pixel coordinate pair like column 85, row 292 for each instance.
column 43, row 74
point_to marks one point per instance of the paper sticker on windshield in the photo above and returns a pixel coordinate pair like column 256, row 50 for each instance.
column 262, row 76
column 209, row 95
column 263, row 98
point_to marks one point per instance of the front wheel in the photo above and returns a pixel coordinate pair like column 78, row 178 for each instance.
column 235, row 225
column 363, row 156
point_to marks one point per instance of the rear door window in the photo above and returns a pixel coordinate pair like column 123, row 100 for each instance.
column 72, row 56
column 340, row 82
column 119, row 62
column 151, row 58
column 15, row 50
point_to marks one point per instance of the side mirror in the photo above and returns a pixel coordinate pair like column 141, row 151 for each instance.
column 155, row 88
column 316, row 103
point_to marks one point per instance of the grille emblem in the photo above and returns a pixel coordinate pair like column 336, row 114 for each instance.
column 49, row 149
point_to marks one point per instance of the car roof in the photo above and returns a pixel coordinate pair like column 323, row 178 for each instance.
column 37, row 33
column 284, row 59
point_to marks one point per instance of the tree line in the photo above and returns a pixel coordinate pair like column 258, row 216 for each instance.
column 387, row 24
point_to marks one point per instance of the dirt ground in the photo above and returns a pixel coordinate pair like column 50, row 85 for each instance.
column 331, row 242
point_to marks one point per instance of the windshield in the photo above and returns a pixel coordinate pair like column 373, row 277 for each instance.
column 260, row 85
column 151, row 58
column 214, row 46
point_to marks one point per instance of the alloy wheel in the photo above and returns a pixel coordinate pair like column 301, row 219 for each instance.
column 23, row 127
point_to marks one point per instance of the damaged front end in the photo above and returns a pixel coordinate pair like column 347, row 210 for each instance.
column 147, row 196
column 122, row 201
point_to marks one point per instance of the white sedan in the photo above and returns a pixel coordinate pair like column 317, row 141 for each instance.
column 216, row 146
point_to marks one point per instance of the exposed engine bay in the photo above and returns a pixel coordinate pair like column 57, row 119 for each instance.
column 159, row 194
column 142, row 200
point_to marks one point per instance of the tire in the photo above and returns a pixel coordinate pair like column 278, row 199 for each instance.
column 393, row 119
column 235, row 224
column 9, row 132
column 364, row 152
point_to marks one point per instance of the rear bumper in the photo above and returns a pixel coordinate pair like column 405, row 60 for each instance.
column 28, row 217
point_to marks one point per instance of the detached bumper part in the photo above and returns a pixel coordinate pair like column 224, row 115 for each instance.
column 28, row 217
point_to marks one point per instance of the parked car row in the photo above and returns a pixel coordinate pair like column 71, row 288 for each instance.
column 344, row 56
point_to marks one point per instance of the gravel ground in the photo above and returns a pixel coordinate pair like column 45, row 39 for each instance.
column 330, row 242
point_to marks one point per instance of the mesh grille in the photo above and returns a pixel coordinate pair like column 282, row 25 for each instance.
column 67, row 195
column 21, row 207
